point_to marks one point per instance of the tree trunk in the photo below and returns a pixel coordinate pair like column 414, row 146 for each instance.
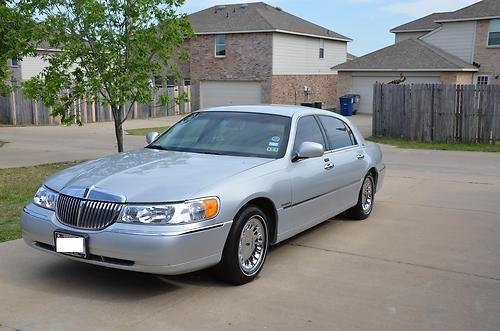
column 118, row 114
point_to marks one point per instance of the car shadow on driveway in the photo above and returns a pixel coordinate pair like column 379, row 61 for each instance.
column 59, row 276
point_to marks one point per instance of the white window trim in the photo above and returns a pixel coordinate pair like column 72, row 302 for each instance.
column 215, row 46
column 488, row 79
column 488, row 36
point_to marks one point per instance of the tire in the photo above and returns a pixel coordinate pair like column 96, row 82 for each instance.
column 366, row 199
column 246, row 247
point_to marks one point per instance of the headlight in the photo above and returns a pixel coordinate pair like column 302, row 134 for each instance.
column 171, row 214
column 45, row 198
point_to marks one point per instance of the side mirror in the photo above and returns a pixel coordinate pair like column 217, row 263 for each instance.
column 309, row 150
column 151, row 136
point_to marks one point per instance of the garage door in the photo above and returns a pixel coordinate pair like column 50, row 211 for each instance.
column 363, row 85
column 224, row 93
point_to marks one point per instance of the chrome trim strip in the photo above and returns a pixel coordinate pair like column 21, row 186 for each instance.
column 321, row 195
column 168, row 234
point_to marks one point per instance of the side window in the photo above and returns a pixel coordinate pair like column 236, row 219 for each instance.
column 338, row 133
column 308, row 130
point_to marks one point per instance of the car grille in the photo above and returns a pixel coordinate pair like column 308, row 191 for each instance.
column 86, row 214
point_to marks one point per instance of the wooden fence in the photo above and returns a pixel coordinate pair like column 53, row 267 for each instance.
column 17, row 109
column 437, row 112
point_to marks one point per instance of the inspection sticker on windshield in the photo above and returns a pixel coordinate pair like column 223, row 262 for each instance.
column 276, row 139
column 273, row 149
column 274, row 144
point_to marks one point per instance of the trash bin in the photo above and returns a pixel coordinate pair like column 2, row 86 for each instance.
column 346, row 106
column 357, row 99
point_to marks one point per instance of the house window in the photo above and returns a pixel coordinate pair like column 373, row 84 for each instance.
column 483, row 80
column 187, row 82
column 14, row 62
column 220, row 45
column 494, row 33
column 321, row 48
column 158, row 81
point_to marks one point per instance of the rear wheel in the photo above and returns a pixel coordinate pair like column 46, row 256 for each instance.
column 246, row 247
column 366, row 199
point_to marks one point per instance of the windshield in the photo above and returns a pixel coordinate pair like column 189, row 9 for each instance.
column 228, row 133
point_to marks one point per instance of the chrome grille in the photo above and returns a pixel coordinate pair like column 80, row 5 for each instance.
column 86, row 214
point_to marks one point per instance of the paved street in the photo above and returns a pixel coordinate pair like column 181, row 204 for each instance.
column 427, row 259
column 33, row 145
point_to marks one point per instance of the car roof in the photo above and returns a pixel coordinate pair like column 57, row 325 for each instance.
column 282, row 110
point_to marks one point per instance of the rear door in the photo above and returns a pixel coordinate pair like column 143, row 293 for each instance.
column 349, row 162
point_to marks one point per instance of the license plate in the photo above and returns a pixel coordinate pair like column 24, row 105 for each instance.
column 70, row 244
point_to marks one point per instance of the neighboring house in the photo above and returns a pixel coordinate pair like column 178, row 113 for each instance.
column 460, row 47
column 351, row 57
column 30, row 66
column 255, row 53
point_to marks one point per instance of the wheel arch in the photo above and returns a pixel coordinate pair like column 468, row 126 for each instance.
column 269, row 208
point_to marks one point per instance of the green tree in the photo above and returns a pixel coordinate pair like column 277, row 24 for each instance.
column 15, row 42
column 106, row 48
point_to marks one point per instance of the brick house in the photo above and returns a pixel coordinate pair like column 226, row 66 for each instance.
column 460, row 47
column 255, row 53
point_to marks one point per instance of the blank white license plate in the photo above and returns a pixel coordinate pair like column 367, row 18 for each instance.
column 70, row 244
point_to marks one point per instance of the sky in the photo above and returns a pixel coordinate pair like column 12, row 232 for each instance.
column 367, row 22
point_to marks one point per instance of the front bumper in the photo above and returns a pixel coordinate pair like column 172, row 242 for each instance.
column 153, row 249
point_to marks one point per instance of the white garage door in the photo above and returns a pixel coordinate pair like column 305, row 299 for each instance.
column 363, row 85
column 225, row 93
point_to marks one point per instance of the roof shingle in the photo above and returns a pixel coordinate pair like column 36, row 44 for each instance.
column 255, row 17
column 408, row 55
column 480, row 10
column 426, row 23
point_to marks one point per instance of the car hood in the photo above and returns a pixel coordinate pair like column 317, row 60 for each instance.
column 149, row 175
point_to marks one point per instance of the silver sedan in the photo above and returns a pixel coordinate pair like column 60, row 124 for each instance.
column 217, row 188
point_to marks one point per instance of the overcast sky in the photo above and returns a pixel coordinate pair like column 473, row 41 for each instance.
column 366, row 21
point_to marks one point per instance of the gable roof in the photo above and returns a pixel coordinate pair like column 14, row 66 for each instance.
column 485, row 9
column 256, row 17
column 424, row 24
column 408, row 55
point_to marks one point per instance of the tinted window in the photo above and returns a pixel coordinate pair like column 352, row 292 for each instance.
column 338, row 133
column 228, row 133
column 308, row 130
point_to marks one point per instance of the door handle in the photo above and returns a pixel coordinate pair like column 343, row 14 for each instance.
column 360, row 156
column 329, row 166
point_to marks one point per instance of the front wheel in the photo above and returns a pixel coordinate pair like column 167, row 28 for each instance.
column 366, row 199
column 246, row 247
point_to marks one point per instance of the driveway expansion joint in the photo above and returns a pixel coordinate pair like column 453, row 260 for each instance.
column 376, row 258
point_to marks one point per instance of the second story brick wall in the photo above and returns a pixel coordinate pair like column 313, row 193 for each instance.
column 248, row 57
column 487, row 57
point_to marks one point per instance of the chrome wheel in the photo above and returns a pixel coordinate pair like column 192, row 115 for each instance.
column 367, row 195
column 252, row 247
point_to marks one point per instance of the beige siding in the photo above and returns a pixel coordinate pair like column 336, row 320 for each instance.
column 32, row 66
column 455, row 38
column 297, row 55
column 402, row 36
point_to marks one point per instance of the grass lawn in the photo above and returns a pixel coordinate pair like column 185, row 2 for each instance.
column 17, row 187
column 437, row 146
column 144, row 131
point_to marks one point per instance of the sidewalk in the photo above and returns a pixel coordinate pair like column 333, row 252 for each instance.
column 34, row 145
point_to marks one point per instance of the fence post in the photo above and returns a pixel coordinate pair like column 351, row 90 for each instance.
column 13, row 114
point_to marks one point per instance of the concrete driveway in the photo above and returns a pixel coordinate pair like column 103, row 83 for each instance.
column 427, row 259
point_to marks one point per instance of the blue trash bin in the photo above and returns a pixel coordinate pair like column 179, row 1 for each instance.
column 346, row 106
